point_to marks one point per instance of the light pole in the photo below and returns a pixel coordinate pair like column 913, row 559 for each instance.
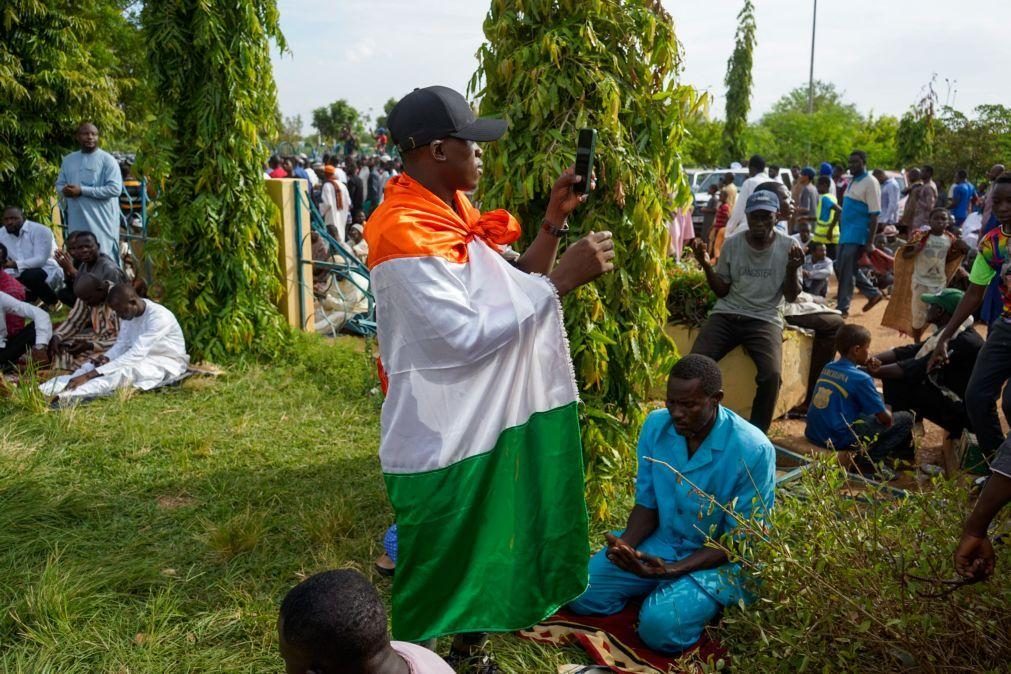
column 810, row 79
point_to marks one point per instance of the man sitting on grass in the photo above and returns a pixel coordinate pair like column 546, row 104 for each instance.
column 335, row 622
column 149, row 352
column 662, row 557
column 91, row 327
column 848, row 414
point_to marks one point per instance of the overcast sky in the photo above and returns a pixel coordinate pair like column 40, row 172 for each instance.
column 880, row 53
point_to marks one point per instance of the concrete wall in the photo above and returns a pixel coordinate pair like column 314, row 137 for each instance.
column 295, row 306
column 739, row 370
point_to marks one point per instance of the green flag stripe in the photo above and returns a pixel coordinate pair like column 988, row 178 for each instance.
column 495, row 542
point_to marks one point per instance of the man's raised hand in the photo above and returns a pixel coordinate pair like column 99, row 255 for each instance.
column 563, row 199
column 584, row 261
column 698, row 247
column 795, row 259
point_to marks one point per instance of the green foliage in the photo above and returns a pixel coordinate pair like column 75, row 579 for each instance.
column 290, row 132
column 914, row 138
column 738, row 81
column 56, row 70
column 387, row 108
column 331, row 121
column 703, row 143
column 690, row 299
column 972, row 143
column 876, row 136
column 550, row 71
column 218, row 252
column 861, row 585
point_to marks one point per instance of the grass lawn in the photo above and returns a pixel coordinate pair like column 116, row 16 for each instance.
column 159, row 532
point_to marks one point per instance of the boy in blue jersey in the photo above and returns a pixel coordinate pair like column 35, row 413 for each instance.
column 848, row 414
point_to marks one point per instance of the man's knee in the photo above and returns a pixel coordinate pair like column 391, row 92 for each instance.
column 902, row 421
column 676, row 622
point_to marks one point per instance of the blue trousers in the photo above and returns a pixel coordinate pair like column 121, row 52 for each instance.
column 673, row 613
column 848, row 273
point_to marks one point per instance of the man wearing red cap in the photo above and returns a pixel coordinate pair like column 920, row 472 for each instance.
column 480, row 443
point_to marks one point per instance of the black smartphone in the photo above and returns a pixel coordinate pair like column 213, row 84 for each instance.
column 585, row 148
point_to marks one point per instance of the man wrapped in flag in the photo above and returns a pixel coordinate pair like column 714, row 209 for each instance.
column 480, row 440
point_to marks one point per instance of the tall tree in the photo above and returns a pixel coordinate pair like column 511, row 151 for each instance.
column 550, row 71
column 387, row 108
column 332, row 120
column 738, row 81
column 212, row 71
column 55, row 72
column 915, row 135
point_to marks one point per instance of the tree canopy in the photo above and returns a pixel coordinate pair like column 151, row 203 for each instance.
column 738, row 81
column 58, row 68
column 331, row 121
column 218, row 252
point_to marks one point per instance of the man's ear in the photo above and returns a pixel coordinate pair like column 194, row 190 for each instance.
column 437, row 150
column 718, row 397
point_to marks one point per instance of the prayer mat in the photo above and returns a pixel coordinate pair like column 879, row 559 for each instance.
column 612, row 642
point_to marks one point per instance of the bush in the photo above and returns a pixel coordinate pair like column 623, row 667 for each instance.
column 690, row 299
column 868, row 585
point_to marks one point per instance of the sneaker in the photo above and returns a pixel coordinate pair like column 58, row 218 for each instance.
column 472, row 664
column 873, row 302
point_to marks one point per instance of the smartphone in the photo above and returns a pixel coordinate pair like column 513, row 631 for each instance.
column 585, row 148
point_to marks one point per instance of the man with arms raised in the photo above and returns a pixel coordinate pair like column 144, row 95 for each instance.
column 661, row 557
column 486, row 478
column 755, row 272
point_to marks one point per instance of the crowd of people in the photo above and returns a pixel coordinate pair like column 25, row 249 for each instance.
column 486, row 482
column 454, row 316
column 113, row 337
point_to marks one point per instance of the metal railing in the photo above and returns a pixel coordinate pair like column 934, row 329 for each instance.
column 348, row 268
column 133, row 228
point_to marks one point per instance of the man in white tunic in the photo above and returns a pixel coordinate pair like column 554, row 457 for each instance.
column 149, row 352
column 31, row 248
column 89, row 184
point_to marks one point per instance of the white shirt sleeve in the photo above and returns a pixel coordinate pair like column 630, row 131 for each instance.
column 124, row 354
column 43, row 244
column 43, row 326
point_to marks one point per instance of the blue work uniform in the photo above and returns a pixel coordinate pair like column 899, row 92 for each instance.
column 735, row 461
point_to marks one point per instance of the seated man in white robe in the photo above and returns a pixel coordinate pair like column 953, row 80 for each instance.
column 149, row 352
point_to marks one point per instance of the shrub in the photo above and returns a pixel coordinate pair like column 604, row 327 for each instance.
column 690, row 298
column 867, row 585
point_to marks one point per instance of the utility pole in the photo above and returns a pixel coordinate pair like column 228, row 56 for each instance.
column 810, row 81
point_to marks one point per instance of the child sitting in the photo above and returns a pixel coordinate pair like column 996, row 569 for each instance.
column 932, row 250
column 816, row 270
column 848, row 414
column 335, row 622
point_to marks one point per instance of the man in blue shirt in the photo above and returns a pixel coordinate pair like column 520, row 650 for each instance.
column 720, row 473
column 859, row 224
column 961, row 197
column 848, row 414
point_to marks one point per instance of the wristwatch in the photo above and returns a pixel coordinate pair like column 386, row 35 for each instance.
column 555, row 231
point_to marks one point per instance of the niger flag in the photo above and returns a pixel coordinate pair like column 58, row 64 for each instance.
column 480, row 444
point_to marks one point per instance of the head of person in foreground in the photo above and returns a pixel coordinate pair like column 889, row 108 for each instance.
column 335, row 622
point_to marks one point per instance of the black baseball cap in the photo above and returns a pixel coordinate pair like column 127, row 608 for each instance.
column 437, row 112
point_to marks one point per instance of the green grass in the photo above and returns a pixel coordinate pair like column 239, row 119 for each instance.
column 159, row 532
